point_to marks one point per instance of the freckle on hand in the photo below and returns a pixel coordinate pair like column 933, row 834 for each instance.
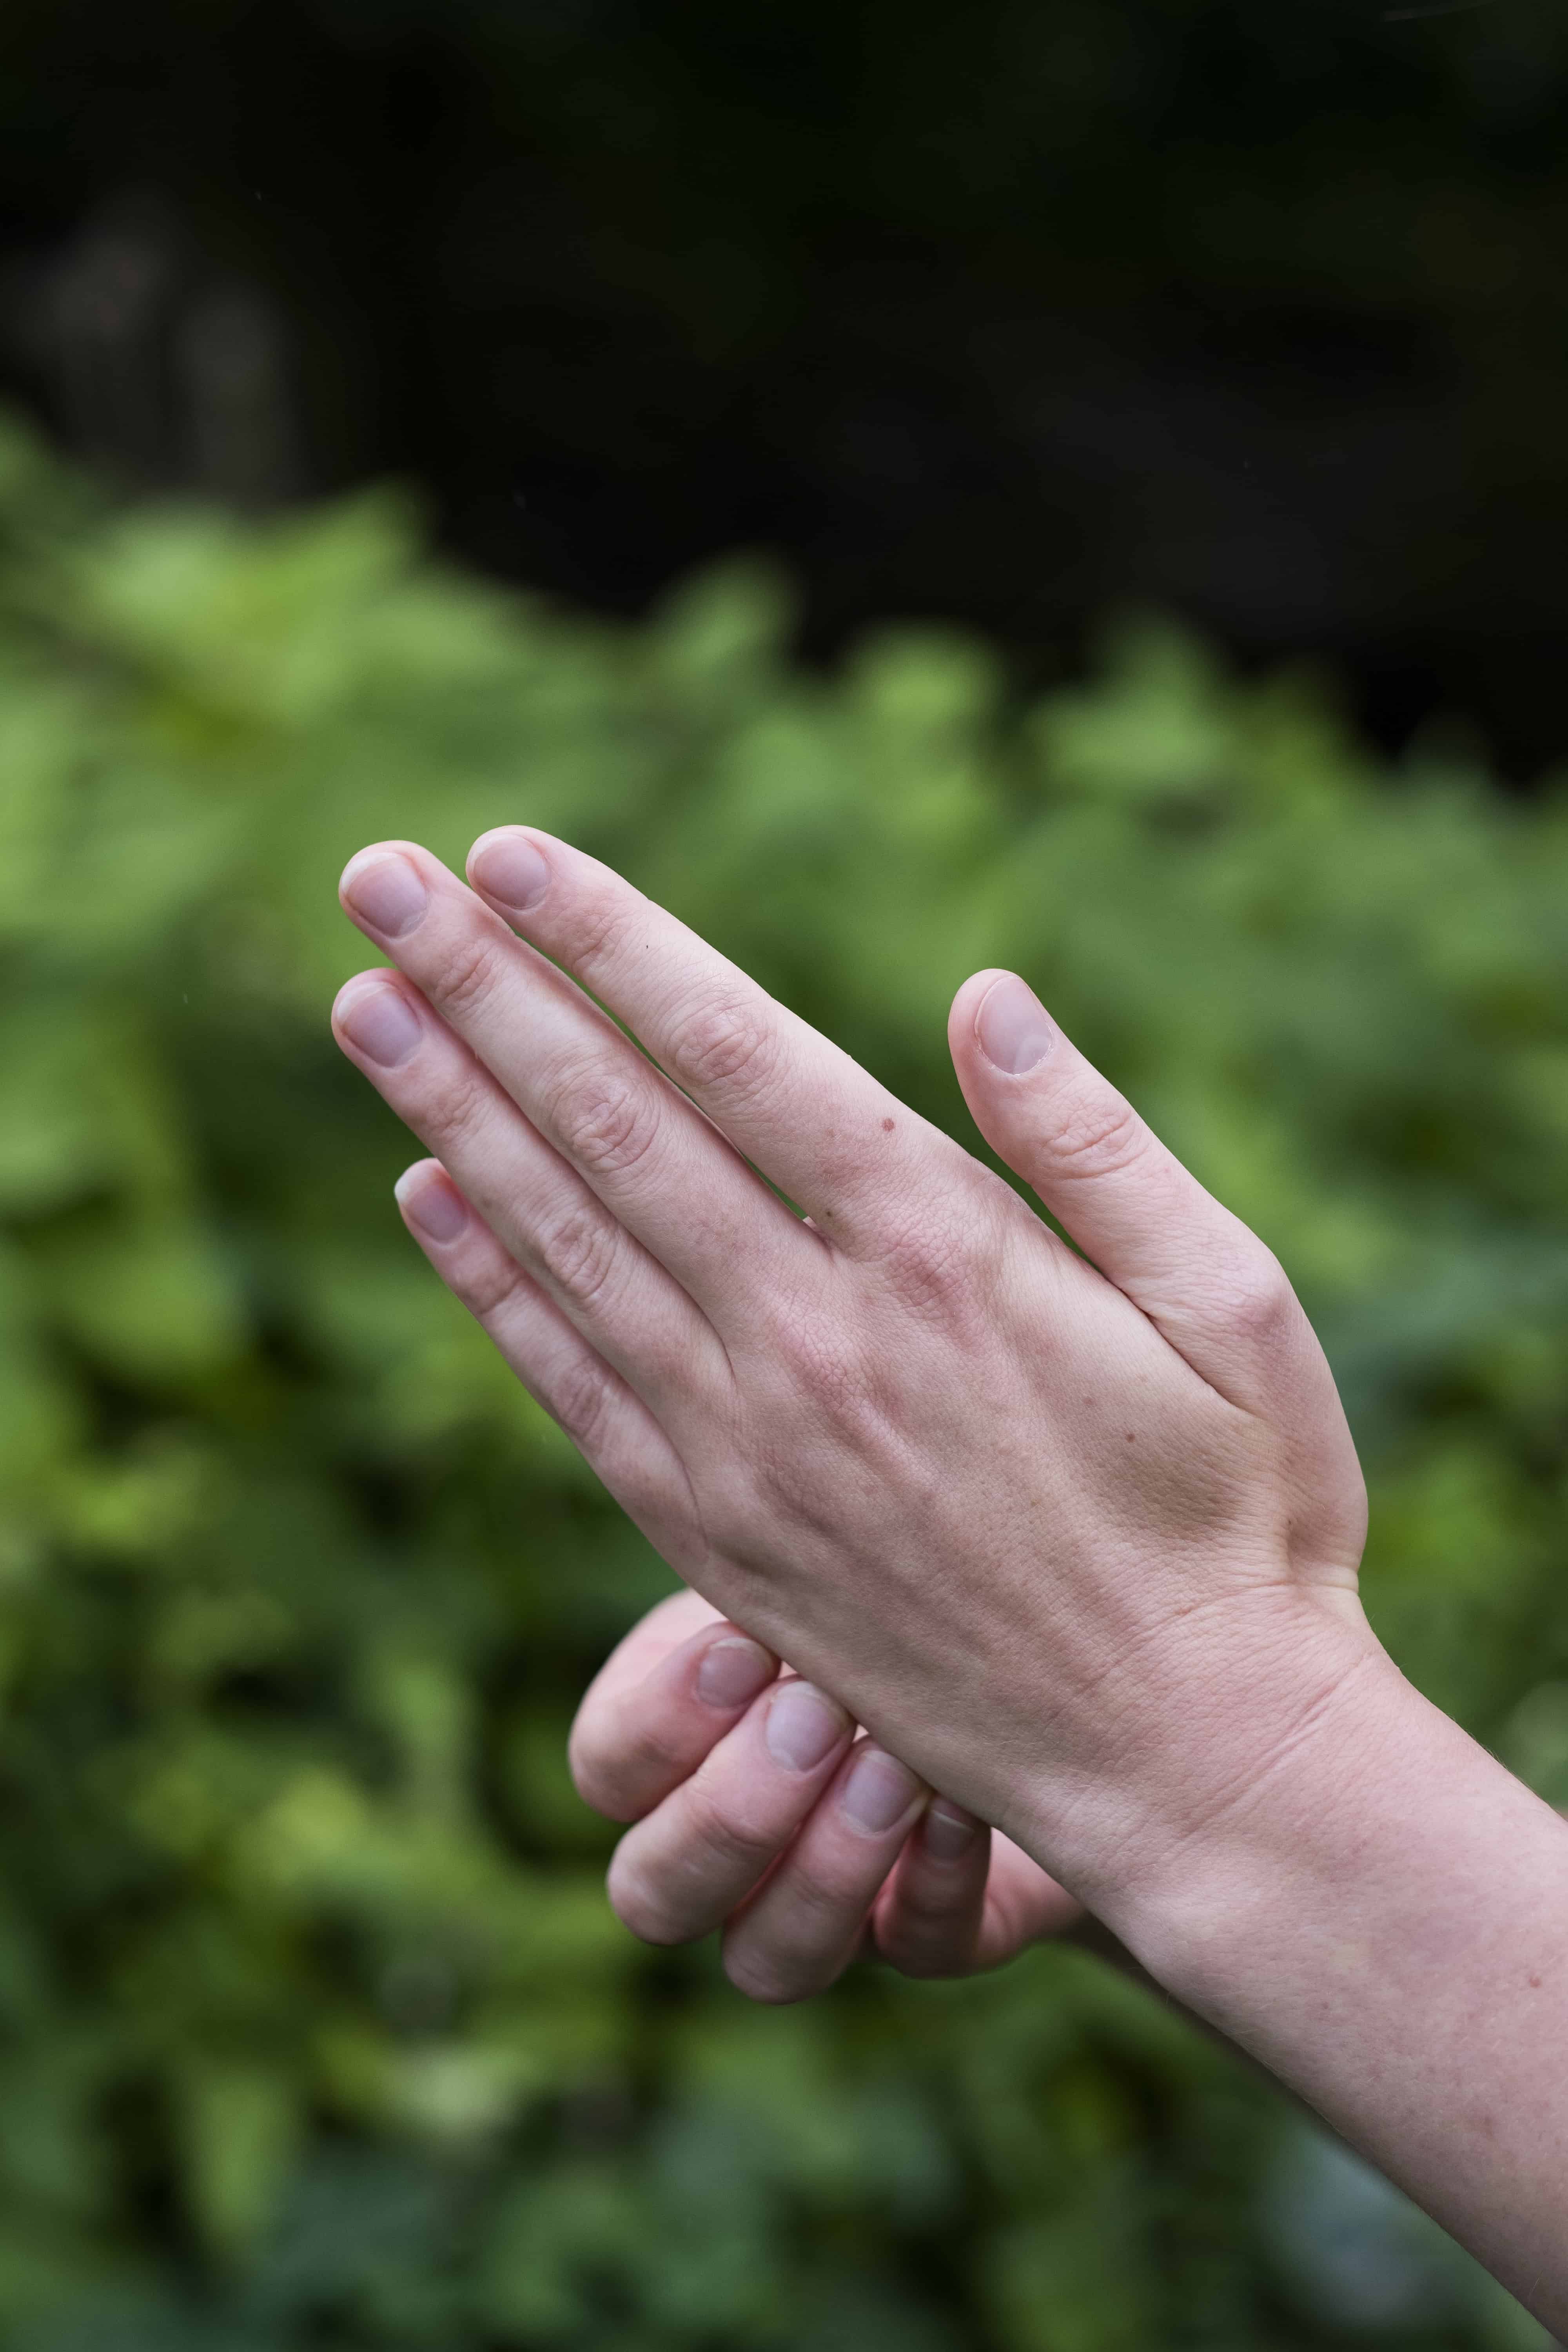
column 887, row 1127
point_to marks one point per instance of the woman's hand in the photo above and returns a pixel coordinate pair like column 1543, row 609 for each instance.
column 1076, row 1537
column 758, row 1811
column 1077, row 1541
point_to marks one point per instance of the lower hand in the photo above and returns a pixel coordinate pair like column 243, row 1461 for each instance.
column 756, row 1809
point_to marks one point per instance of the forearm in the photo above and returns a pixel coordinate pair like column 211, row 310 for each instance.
column 1384, row 1926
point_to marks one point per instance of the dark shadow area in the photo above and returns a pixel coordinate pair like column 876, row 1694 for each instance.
column 1253, row 314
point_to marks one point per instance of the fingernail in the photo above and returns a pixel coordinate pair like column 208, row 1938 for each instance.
column 1013, row 1028
column 878, row 1792
column 948, row 1833
column 509, row 867
column 379, row 1019
column 386, row 891
column 435, row 1206
column 733, row 1671
column 803, row 1726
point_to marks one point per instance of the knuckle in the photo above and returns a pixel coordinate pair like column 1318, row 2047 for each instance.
column 581, row 1399
column 612, row 1773
column 934, row 1263
column 596, row 1769
column 467, row 972
column 456, row 1106
column 786, row 1485
column 491, row 1287
column 604, row 1124
column 578, row 1248
column 822, row 1913
column 1098, row 1134
column 924, row 1936
column 1255, row 1301
column 725, row 1041
column 923, row 1910
column 824, row 1367
column 760, row 1975
column 601, row 926
column 738, row 1848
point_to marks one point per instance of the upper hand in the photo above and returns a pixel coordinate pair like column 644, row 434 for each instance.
column 1077, row 1540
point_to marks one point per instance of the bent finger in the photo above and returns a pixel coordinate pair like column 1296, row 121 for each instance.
column 636, row 1741
column 940, row 1916
column 801, row 1930
column 664, row 1627
column 927, row 1921
column 686, row 1866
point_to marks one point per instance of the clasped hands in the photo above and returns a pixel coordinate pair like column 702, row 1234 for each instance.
column 1073, row 1537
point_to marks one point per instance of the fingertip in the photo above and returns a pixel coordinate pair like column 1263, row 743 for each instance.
column 373, row 1017
column 373, row 854
column 417, row 1171
column 356, row 864
column 430, row 1203
column 1012, row 1028
column 379, row 975
column 928, row 1919
column 998, row 1027
column 876, row 1792
column 732, row 1670
column 508, row 865
column 947, row 1833
column 966, row 1002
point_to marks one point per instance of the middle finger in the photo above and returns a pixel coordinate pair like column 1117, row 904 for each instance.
column 651, row 1156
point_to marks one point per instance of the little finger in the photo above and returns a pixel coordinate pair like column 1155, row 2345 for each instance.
column 1022, row 1905
column 927, row 1922
column 608, row 1424
column 629, row 1309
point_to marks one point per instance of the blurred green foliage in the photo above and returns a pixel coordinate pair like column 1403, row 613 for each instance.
column 316, row 2028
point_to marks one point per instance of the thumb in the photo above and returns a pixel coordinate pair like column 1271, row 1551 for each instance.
column 1206, row 1282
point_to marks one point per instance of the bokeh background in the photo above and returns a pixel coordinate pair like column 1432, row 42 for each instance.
column 1077, row 486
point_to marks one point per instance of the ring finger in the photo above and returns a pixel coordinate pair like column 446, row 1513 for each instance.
column 634, row 1314
column 805, row 1926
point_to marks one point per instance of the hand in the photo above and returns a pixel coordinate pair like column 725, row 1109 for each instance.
column 1076, row 1537
column 757, row 1810
column 1079, row 1545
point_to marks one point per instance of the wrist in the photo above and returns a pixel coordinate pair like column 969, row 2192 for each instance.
column 1379, row 1921
column 1226, row 1748
column 1287, row 1803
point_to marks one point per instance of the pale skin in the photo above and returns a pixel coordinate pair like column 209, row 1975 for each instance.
column 1074, row 1538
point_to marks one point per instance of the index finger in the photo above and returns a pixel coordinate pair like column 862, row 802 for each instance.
column 801, row 1109
column 657, row 1708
